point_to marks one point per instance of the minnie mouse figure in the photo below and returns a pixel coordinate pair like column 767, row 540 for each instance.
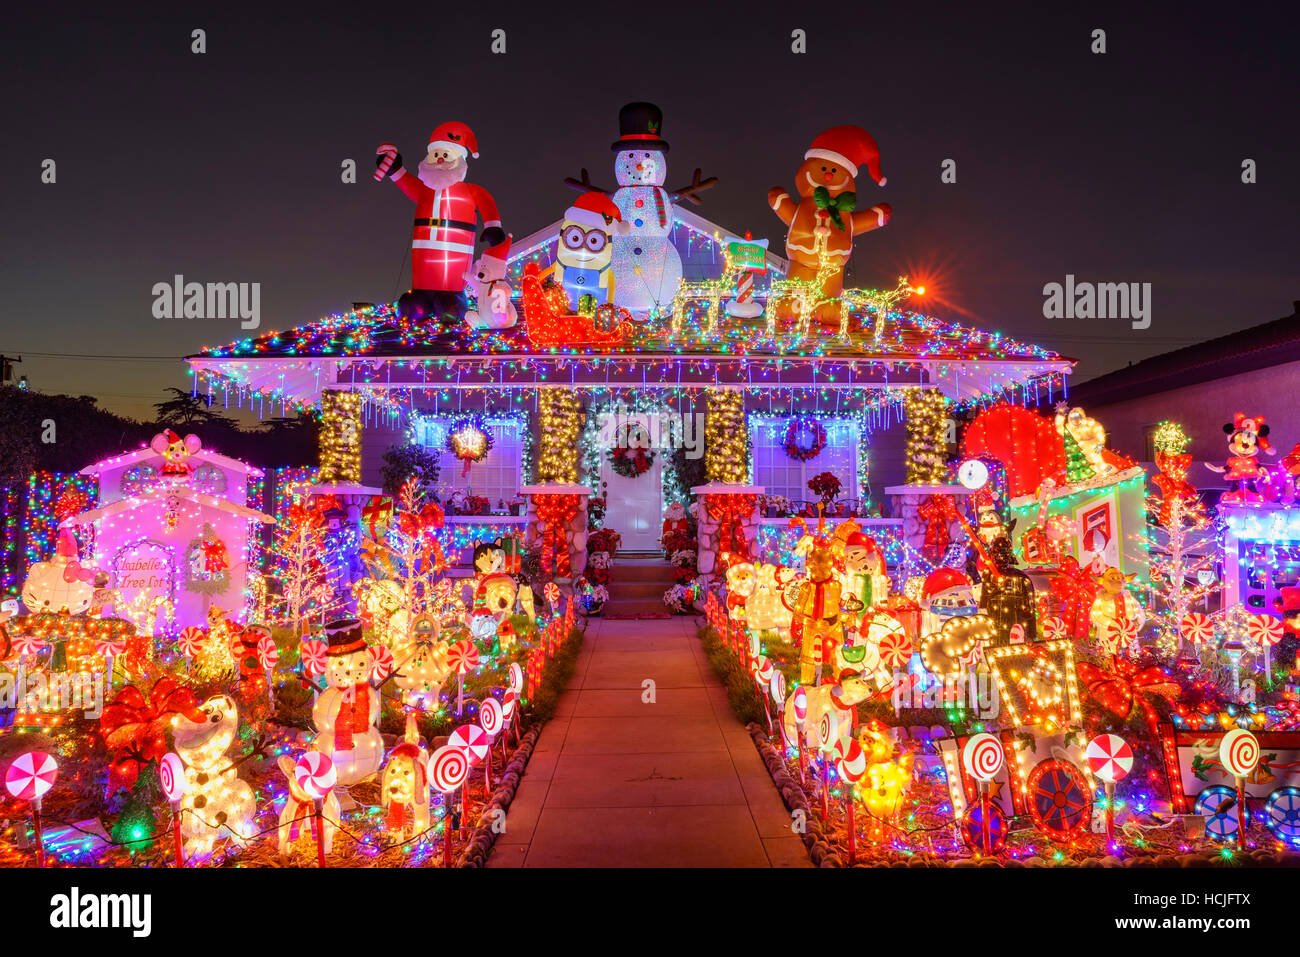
column 1247, row 437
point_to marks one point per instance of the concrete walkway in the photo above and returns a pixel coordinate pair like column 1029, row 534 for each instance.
column 615, row 782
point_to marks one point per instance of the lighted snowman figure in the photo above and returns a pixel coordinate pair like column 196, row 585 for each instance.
column 345, row 713
column 217, row 804
column 647, row 268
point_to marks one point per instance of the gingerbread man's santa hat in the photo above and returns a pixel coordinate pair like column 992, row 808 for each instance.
column 850, row 147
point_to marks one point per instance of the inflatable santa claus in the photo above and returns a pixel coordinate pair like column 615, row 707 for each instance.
column 446, row 212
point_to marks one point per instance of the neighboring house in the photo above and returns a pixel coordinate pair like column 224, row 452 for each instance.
column 1255, row 371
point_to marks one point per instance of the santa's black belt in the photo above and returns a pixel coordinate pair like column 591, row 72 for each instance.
column 446, row 223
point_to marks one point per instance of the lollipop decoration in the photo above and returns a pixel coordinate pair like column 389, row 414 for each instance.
column 1053, row 629
column 381, row 663
column 1266, row 631
column 760, row 669
column 190, row 643
column 851, row 766
column 828, row 733
column 109, row 648
column 1110, row 758
column 1239, row 752
column 492, row 718
column 551, row 592
column 462, row 656
column 983, row 757
column 448, row 772
column 799, row 705
column 28, row 645
column 314, row 772
column 895, row 649
column 312, row 654
column 267, row 656
column 171, row 775
column 29, row 778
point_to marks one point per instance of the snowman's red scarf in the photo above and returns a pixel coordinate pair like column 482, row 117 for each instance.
column 353, row 716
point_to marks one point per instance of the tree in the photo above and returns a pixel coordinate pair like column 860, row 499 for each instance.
column 187, row 411
column 405, row 462
column 300, row 563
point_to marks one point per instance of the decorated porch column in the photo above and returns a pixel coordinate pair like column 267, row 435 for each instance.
column 726, row 515
column 926, row 459
column 557, row 505
column 340, row 437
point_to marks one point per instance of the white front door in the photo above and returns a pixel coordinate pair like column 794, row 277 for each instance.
column 634, row 506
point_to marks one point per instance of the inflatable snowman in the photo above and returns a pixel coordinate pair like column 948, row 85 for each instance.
column 646, row 266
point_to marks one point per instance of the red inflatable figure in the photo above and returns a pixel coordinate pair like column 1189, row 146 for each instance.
column 446, row 211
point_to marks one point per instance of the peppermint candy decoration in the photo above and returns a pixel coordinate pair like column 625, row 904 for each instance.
column 828, row 729
column 381, row 662
column 777, row 687
column 473, row 740
column 1109, row 757
column 31, row 775
column 463, row 656
column 895, row 649
column 267, row 653
column 171, row 775
column 551, row 592
column 983, row 756
column 1053, row 629
column 516, row 678
column 1239, row 752
column 761, row 669
column 191, row 641
column 315, row 774
column 1196, row 628
column 28, row 645
column 312, row 654
column 509, row 701
column 491, row 717
column 110, row 647
column 800, row 703
column 1121, row 631
column 1264, row 630
column 850, row 760
column 448, row 768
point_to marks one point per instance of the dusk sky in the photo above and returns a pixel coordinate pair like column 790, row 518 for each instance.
column 225, row 166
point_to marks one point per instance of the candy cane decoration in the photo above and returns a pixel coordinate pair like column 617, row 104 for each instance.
column 389, row 153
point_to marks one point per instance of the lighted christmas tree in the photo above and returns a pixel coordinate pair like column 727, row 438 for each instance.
column 299, row 563
column 1077, row 468
column 1177, row 540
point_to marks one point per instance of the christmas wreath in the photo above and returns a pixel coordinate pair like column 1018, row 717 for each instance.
column 469, row 439
column 630, row 462
column 797, row 432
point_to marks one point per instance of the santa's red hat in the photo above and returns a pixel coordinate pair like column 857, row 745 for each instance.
column 941, row 579
column 596, row 209
column 850, row 147
column 456, row 135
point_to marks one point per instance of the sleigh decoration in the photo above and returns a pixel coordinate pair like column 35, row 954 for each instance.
column 550, row 323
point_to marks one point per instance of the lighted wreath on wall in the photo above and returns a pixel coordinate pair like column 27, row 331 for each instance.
column 207, row 564
column 805, row 438
column 469, row 439
column 630, row 462
column 138, row 479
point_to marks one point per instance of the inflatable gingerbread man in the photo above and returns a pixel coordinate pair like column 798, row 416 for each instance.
column 825, row 218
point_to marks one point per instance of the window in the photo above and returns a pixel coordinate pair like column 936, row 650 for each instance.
column 496, row 477
column 781, row 475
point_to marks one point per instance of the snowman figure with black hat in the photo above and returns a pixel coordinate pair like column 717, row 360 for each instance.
column 647, row 268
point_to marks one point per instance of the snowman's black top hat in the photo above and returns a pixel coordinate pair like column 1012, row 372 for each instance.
column 639, row 126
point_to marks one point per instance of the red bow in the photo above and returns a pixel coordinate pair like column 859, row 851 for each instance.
column 76, row 572
column 554, row 512
column 728, row 511
column 132, row 725
column 414, row 524
column 1119, row 689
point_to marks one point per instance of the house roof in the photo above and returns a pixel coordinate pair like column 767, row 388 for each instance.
column 161, row 496
column 1258, row 347
column 201, row 457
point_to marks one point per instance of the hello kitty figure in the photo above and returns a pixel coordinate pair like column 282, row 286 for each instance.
column 217, row 804
column 60, row 584
column 487, row 280
column 176, row 453
column 345, row 713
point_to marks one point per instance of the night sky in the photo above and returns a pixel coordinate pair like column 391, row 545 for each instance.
column 1123, row 167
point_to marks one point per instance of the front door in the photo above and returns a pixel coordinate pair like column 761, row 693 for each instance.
column 634, row 506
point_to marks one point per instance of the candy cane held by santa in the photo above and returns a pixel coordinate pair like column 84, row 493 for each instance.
column 29, row 778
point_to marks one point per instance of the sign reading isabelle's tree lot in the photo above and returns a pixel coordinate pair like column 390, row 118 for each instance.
column 144, row 571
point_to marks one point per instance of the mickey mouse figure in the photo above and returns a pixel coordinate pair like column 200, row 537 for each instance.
column 1247, row 437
